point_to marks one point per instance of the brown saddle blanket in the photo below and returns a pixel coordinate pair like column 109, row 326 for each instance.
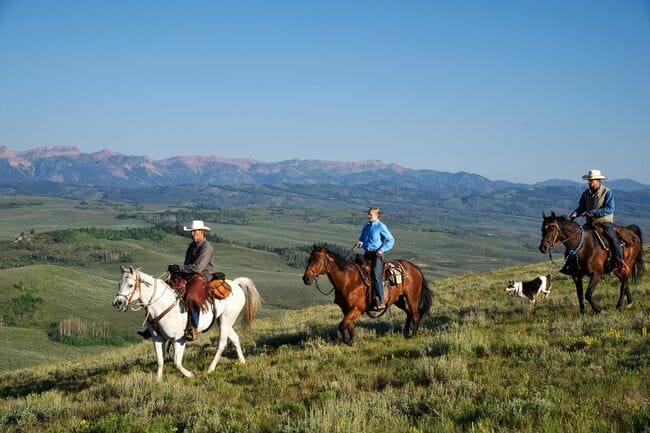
column 197, row 291
column 626, row 235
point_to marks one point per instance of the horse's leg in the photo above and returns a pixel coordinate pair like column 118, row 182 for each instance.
column 622, row 292
column 594, row 279
column 408, row 326
column 234, row 339
column 347, row 325
column 224, row 330
column 628, row 293
column 158, row 347
column 412, row 313
column 179, row 349
column 580, row 293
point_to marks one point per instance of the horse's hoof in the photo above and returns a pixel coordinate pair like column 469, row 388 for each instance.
column 629, row 304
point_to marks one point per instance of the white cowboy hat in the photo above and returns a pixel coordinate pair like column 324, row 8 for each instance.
column 594, row 174
column 196, row 225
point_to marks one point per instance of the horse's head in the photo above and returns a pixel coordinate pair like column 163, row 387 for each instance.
column 551, row 232
column 128, row 289
column 316, row 265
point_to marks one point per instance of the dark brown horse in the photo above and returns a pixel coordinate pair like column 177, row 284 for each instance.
column 585, row 256
column 350, row 290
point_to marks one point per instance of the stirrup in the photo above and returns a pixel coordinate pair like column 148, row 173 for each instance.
column 623, row 267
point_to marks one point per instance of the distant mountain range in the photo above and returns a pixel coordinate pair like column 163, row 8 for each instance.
column 68, row 165
column 469, row 201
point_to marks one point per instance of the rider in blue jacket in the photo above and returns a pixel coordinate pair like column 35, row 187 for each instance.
column 376, row 239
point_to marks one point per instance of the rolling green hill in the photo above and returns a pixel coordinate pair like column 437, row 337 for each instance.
column 483, row 362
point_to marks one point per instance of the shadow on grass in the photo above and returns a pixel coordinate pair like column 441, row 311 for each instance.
column 299, row 338
column 70, row 380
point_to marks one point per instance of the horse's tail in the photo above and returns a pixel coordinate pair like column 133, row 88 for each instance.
column 426, row 298
column 638, row 268
column 253, row 299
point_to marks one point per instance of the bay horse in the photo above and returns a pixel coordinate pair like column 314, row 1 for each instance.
column 413, row 295
column 587, row 257
column 167, row 316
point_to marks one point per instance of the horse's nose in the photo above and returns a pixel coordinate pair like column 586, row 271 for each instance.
column 118, row 303
column 307, row 280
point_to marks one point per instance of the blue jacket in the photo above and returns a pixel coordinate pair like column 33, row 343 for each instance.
column 375, row 236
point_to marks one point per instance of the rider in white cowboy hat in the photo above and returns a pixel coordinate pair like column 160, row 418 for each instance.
column 196, row 225
column 597, row 202
column 198, row 263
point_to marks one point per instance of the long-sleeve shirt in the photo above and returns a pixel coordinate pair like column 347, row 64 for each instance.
column 599, row 203
column 198, row 258
column 375, row 236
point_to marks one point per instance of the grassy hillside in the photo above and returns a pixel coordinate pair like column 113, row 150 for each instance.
column 483, row 362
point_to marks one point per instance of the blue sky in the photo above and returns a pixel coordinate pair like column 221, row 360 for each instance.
column 516, row 90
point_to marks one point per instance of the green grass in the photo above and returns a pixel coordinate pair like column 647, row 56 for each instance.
column 483, row 362
column 44, row 214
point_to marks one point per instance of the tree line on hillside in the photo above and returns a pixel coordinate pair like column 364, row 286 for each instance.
column 204, row 212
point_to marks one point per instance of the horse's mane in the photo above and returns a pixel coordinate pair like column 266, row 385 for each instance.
column 340, row 261
column 562, row 218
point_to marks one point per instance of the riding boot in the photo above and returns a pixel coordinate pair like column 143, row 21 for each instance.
column 622, row 267
column 191, row 334
column 145, row 333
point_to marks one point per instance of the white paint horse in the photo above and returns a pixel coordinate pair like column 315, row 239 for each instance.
column 167, row 318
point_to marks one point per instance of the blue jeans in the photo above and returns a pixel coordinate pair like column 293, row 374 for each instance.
column 194, row 317
column 376, row 269
column 616, row 243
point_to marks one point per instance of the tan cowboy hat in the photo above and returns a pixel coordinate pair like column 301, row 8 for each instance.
column 196, row 225
column 594, row 174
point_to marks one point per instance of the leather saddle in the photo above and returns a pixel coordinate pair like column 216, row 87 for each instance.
column 625, row 236
column 393, row 272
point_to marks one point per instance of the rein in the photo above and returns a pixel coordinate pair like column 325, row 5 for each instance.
column 569, row 252
column 327, row 271
column 137, row 305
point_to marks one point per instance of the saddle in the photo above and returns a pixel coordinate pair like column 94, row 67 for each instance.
column 392, row 274
column 625, row 236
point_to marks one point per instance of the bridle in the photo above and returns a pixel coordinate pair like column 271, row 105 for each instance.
column 323, row 269
column 556, row 241
column 134, row 304
column 132, row 301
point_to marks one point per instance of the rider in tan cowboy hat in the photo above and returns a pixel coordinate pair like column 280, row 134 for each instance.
column 597, row 203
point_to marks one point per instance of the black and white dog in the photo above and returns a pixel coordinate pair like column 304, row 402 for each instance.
column 530, row 289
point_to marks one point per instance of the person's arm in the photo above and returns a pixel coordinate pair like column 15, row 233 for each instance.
column 362, row 236
column 388, row 240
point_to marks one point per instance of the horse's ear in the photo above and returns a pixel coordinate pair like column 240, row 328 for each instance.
column 553, row 214
column 543, row 215
column 131, row 269
column 123, row 269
